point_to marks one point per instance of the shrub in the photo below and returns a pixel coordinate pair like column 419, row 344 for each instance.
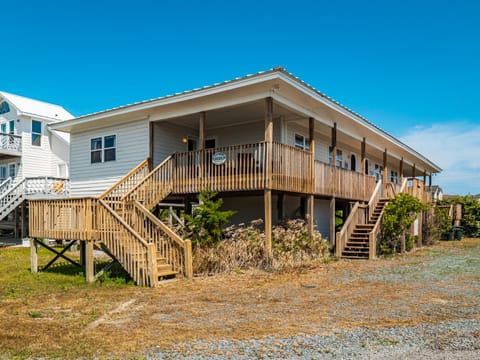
column 205, row 225
column 399, row 215
column 244, row 248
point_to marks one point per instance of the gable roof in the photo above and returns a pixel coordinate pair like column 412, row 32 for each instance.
column 275, row 74
column 34, row 107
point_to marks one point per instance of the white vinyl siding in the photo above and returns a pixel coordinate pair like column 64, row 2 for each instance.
column 131, row 148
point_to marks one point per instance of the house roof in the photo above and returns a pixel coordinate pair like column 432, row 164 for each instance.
column 34, row 107
column 277, row 73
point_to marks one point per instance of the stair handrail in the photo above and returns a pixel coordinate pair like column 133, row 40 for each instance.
column 376, row 195
column 372, row 237
column 404, row 185
column 184, row 265
column 144, row 182
column 5, row 184
column 141, row 274
column 115, row 192
column 347, row 229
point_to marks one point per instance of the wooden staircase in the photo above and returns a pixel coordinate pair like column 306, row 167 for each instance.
column 358, row 243
column 158, row 253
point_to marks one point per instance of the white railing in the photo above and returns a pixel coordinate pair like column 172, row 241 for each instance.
column 10, row 142
column 5, row 184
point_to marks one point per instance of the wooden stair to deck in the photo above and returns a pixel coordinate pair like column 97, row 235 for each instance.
column 357, row 246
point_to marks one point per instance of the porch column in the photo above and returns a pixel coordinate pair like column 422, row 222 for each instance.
column 33, row 256
column 430, row 181
column 201, row 130
column 385, row 172
column 334, row 144
column 332, row 221
column 334, row 190
column 151, row 149
column 363, row 153
column 424, row 185
column 89, row 262
column 401, row 171
column 413, row 171
column 311, row 198
column 268, row 174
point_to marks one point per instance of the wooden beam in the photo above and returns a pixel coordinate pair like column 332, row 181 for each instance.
column 363, row 155
column 268, row 139
column 201, row 130
column 33, row 256
column 311, row 198
column 151, row 145
column 430, row 181
column 268, row 222
column 332, row 221
column 401, row 171
column 334, row 144
column 414, row 171
column 89, row 262
column 385, row 171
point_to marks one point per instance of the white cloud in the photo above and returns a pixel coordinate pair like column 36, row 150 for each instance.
column 455, row 147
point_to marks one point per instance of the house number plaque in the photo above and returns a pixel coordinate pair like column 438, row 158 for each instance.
column 219, row 158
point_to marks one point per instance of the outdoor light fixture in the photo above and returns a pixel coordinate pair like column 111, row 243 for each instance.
column 184, row 140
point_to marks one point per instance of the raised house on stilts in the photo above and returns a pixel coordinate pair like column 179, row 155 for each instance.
column 269, row 144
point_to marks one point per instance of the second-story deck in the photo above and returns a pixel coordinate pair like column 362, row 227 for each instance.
column 10, row 145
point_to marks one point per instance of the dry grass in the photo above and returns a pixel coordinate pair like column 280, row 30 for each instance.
column 54, row 315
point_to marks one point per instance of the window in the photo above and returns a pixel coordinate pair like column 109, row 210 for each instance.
column 11, row 127
column 4, row 108
column 3, row 172
column 36, row 132
column 103, row 149
column 301, row 142
column 378, row 172
column 339, row 158
column 394, row 177
column 3, row 128
column 11, row 170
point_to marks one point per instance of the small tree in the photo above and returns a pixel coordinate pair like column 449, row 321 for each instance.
column 399, row 215
column 205, row 225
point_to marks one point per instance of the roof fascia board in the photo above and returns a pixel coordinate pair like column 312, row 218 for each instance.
column 168, row 100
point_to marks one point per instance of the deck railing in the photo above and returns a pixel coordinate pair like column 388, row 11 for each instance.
column 63, row 218
column 238, row 167
column 291, row 169
column 358, row 215
column 10, row 142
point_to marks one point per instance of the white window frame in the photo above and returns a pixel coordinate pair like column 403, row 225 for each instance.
column 304, row 143
column 394, row 177
column 15, row 170
column 4, row 167
column 102, row 149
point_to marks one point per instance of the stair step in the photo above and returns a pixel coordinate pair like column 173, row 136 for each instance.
column 355, row 257
column 167, row 273
column 163, row 267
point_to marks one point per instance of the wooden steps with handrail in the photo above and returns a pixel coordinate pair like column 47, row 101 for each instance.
column 358, row 243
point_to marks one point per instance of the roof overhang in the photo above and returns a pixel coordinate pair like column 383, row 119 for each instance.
column 283, row 87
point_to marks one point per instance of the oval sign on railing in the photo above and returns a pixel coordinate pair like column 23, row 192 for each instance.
column 219, row 158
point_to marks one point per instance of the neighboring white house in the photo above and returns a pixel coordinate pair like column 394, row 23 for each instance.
column 29, row 150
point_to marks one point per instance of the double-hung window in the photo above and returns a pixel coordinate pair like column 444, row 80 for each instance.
column 36, row 132
column 338, row 158
column 103, row 149
column 301, row 142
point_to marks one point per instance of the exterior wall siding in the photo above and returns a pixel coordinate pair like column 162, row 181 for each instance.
column 131, row 148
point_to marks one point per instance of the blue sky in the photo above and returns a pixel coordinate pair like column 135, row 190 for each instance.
column 411, row 67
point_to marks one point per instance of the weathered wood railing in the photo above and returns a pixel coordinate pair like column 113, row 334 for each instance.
column 374, row 199
column 154, row 187
column 358, row 215
column 176, row 251
column 291, row 169
column 114, row 195
column 63, row 218
column 373, row 237
column 238, row 167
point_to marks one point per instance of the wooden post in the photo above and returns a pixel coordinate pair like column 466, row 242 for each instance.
column 402, row 243
column 420, row 230
column 385, row 173
column 401, row 171
column 151, row 145
column 332, row 221
column 268, row 222
column 414, row 171
column 363, row 155
column 268, row 179
column 334, row 144
column 201, row 131
column 152, row 264
column 89, row 262
column 424, row 197
column 188, row 260
column 33, row 256
column 311, row 198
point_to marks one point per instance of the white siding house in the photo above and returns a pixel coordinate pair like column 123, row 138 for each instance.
column 29, row 150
